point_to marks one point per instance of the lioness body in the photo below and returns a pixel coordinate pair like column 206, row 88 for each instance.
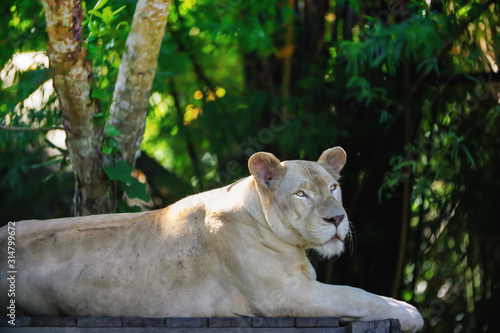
column 234, row 251
column 182, row 260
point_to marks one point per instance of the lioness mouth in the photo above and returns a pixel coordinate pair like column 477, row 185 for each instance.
column 335, row 238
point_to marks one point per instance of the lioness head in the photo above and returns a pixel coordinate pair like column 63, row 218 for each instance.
column 302, row 200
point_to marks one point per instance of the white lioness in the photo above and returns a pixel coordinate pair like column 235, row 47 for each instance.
column 233, row 251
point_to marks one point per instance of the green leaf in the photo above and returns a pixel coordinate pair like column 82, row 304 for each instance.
column 51, row 145
column 57, row 173
column 100, row 94
column 114, row 144
column 98, row 116
column 112, row 131
column 100, row 4
column 174, row 130
column 95, row 12
column 470, row 159
column 120, row 171
column 385, row 116
column 464, row 10
column 107, row 150
column 131, row 186
column 107, row 15
column 124, row 208
column 119, row 10
column 124, row 24
column 93, row 50
column 46, row 163
column 136, row 189
column 430, row 64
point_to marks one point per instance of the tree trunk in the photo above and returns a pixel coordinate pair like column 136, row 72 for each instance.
column 72, row 74
column 137, row 70
column 72, row 82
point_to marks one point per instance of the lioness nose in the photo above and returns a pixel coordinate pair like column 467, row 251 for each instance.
column 335, row 220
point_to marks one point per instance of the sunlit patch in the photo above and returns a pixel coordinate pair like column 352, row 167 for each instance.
column 444, row 289
column 192, row 112
column 421, row 287
column 195, row 31
column 220, row 92
column 330, row 17
column 285, row 52
column 20, row 63
column 57, row 138
column 198, row 94
column 140, row 175
column 211, row 96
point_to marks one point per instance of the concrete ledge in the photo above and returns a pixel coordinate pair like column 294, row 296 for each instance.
column 185, row 325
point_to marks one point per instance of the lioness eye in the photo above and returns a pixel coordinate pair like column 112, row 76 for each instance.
column 300, row 193
column 333, row 187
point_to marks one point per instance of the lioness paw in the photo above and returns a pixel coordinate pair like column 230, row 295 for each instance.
column 408, row 315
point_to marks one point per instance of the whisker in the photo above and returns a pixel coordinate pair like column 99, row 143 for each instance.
column 350, row 238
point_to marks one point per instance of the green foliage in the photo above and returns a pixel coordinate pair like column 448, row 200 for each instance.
column 22, row 30
column 107, row 27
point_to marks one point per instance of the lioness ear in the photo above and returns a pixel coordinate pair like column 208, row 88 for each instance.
column 266, row 168
column 333, row 160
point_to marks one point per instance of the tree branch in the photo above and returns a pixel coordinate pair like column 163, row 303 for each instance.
column 135, row 78
column 30, row 129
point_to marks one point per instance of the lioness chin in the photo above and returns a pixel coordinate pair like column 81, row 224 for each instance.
column 233, row 251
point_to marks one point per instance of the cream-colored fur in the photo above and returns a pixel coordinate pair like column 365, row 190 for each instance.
column 233, row 251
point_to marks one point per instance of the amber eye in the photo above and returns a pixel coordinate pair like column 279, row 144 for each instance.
column 300, row 194
column 333, row 187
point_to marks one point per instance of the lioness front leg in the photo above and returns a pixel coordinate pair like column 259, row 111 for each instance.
column 350, row 303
